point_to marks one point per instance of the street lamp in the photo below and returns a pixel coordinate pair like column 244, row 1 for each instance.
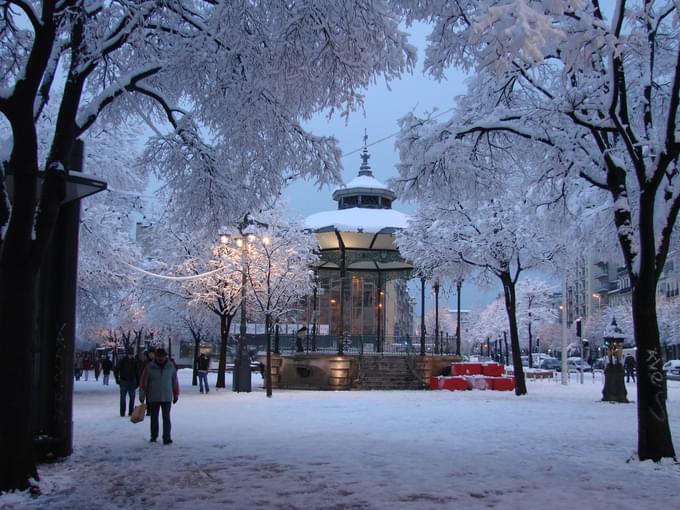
column 241, row 375
column 597, row 296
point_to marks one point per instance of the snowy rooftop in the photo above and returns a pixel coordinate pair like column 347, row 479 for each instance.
column 365, row 181
column 358, row 219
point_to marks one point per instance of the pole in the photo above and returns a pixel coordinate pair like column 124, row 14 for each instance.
column 343, row 271
column 242, row 328
column 422, row 316
column 377, row 339
column 314, row 314
column 268, row 375
column 505, row 340
column 459, row 284
column 565, row 367
column 436, row 316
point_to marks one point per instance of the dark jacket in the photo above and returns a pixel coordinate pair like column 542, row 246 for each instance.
column 203, row 363
column 107, row 366
column 159, row 382
column 126, row 370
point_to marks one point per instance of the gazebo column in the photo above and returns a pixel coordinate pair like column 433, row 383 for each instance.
column 380, row 306
column 315, row 312
column 343, row 277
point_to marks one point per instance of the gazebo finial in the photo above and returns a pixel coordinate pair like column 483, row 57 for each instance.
column 365, row 168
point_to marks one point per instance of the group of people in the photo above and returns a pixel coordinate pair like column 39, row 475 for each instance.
column 84, row 364
column 156, row 378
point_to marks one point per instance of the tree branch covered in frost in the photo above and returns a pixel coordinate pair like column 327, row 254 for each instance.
column 599, row 93
column 220, row 78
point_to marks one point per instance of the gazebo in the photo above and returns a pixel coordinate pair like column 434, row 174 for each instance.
column 361, row 297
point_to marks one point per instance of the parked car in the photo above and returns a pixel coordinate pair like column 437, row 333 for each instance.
column 600, row 363
column 550, row 364
column 671, row 364
column 578, row 365
column 672, row 369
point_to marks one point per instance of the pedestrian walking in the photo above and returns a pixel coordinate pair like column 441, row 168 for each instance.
column 629, row 367
column 127, row 378
column 202, row 366
column 78, row 370
column 87, row 365
column 160, row 389
column 149, row 355
column 107, row 366
column 97, row 368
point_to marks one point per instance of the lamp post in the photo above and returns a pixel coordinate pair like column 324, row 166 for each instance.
column 436, row 316
column 241, row 375
column 459, row 284
column 597, row 296
column 614, row 387
column 422, row 316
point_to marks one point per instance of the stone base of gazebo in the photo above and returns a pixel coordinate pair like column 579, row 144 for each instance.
column 325, row 371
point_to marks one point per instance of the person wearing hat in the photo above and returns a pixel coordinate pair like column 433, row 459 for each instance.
column 160, row 388
column 127, row 379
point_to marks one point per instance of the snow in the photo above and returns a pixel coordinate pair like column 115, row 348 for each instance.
column 365, row 181
column 558, row 447
column 358, row 219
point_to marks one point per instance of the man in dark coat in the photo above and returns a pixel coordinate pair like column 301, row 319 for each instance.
column 629, row 367
column 159, row 386
column 127, row 379
column 202, row 366
column 107, row 366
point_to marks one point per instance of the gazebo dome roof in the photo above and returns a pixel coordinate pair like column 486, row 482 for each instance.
column 364, row 223
column 364, row 191
column 358, row 219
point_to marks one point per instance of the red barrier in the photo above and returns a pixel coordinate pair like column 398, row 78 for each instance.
column 493, row 369
column 503, row 383
column 466, row 368
column 448, row 383
column 455, row 383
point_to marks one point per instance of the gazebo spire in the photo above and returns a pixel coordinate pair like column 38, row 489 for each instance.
column 365, row 168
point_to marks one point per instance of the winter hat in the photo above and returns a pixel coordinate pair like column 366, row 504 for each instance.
column 161, row 352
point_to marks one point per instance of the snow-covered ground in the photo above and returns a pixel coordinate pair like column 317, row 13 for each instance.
column 557, row 447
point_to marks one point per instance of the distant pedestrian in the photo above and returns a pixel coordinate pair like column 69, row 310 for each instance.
column 127, row 378
column 149, row 355
column 202, row 366
column 629, row 367
column 107, row 366
column 97, row 368
column 160, row 388
column 87, row 365
column 78, row 369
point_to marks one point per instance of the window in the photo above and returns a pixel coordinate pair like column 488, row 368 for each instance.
column 348, row 202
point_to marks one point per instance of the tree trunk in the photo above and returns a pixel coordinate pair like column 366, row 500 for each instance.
column 531, row 350
column 17, row 323
column 194, row 374
column 268, row 368
column 224, row 337
column 511, row 308
column 654, row 436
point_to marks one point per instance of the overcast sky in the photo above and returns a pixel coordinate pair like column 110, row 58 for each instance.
column 383, row 107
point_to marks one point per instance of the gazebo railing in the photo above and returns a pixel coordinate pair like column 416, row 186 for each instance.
column 364, row 345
